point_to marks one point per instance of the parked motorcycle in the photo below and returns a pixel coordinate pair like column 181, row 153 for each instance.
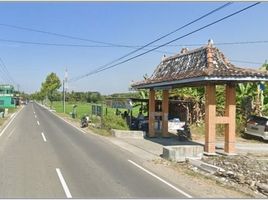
column 84, row 121
column 184, row 134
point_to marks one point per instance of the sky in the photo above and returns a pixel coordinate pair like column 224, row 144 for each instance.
column 123, row 23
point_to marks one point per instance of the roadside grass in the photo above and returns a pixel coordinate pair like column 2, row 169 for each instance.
column 10, row 111
column 82, row 108
column 86, row 108
column 99, row 131
column 101, row 126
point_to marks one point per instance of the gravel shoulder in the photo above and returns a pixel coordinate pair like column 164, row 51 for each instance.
column 249, row 172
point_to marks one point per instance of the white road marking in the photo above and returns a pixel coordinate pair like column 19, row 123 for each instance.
column 38, row 123
column 44, row 138
column 12, row 118
column 11, row 132
column 67, row 121
column 63, row 183
column 35, row 116
column 160, row 179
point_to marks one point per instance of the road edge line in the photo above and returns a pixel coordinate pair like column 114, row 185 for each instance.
column 160, row 179
column 44, row 137
column 13, row 116
column 64, row 120
column 63, row 184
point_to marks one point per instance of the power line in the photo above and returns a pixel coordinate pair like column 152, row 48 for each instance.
column 245, row 61
column 131, row 46
column 164, row 36
column 190, row 33
column 69, row 45
column 57, row 34
column 5, row 70
column 224, row 43
column 101, row 42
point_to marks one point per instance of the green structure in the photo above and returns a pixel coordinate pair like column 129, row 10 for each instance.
column 6, row 96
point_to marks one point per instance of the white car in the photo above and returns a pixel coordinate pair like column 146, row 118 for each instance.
column 174, row 125
column 257, row 126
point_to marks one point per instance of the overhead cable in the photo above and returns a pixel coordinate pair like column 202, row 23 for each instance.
column 190, row 33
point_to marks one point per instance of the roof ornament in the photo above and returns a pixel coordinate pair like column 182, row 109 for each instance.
column 210, row 42
column 184, row 50
column 163, row 57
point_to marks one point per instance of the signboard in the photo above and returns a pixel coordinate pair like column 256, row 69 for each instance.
column 97, row 110
column 262, row 86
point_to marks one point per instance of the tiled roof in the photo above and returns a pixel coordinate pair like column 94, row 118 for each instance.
column 203, row 65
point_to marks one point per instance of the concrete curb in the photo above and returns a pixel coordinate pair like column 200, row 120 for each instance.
column 212, row 169
column 128, row 134
column 179, row 153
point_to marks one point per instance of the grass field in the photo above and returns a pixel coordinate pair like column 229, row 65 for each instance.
column 85, row 108
column 82, row 108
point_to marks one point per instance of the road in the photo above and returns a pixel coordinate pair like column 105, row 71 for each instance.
column 41, row 156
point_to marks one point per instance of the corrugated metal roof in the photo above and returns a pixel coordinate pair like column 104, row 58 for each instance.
column 199, row 66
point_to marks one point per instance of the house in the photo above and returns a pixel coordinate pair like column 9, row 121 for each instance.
column 7, row 96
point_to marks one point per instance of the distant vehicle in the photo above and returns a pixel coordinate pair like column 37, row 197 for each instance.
column 174, row 125
column 257, row 126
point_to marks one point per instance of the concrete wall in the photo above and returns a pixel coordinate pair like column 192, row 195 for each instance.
column 181, row 152
column 128, row 134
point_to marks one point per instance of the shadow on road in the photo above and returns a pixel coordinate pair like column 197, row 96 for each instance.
column 170, row 141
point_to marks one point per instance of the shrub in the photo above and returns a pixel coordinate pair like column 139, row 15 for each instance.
column 114, row 122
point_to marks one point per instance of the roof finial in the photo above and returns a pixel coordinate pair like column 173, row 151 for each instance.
column 184, row 50
column 210, row 42
column 164, row 57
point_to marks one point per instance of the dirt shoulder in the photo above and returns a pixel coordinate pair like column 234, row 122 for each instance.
column 200, row 185
column 249, row 171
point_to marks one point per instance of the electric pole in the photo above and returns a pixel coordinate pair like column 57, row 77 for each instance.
column 65, row 87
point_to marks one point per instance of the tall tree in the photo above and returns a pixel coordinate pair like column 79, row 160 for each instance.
column 50, row 86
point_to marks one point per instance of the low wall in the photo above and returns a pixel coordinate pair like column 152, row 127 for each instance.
column 128, row 134
column 180, row 153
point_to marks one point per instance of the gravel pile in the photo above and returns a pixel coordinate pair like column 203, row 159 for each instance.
column 249, row 170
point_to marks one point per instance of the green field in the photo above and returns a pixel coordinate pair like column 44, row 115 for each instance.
column 85, row 108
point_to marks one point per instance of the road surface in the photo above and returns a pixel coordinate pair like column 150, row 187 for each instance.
column 41, row 156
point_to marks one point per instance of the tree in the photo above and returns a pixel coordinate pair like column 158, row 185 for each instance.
column 50, row 86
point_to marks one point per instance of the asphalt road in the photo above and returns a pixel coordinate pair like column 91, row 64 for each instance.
column 41, row 156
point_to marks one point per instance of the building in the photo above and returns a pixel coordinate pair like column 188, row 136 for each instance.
column 7, row 96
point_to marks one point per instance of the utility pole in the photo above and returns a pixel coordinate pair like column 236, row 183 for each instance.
column 63, row 92
column 65, row 87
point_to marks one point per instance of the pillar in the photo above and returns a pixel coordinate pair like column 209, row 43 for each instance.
column 210, row 118
column 151, row 113
column 165, row 113
column 230, row 111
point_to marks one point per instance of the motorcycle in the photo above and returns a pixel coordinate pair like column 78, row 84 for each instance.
column 184, row 134
column 84, row 122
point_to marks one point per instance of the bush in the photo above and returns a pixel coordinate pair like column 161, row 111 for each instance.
column 114, row 122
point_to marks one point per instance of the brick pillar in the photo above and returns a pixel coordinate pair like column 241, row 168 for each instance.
column 210, row 119
column 230, row 111
column 165, row 114
column 151, row 113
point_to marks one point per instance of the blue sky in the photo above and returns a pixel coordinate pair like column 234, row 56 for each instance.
column 129, row 23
